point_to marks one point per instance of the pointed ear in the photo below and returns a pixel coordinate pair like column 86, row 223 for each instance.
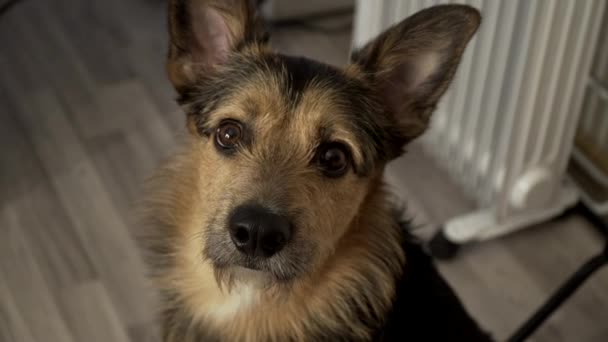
column 412, row 63
column 203, row 33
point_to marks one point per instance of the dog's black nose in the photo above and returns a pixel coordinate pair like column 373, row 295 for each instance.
column 256, row 231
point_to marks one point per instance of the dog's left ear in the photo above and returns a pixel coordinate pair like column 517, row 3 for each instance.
column 412, row 63
column 203, row 34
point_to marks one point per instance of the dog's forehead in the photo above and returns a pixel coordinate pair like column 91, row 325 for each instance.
column 307, row 97
column 296, row 88
column 315, row 98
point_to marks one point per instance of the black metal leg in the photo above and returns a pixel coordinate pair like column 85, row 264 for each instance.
column 598, row 222
column 569, row 287
column 560, row 296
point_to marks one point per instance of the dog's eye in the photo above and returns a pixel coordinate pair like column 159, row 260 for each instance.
column 228, row 134
column 333, row 159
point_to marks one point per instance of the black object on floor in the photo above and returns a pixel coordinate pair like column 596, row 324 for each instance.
column 440, row 247
column 572, row 284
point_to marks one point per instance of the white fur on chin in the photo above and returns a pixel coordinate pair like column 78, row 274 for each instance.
column 243, row 293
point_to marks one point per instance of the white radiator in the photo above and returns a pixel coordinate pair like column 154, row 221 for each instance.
column 505, row 128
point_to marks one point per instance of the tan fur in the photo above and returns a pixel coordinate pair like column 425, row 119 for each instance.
column 191, row 189
column 346, row 242
column 321, row 297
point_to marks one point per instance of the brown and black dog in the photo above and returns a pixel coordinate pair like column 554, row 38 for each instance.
column 272, row 223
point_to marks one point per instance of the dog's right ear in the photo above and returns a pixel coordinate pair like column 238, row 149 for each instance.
column 203, row 33
column 412, row 63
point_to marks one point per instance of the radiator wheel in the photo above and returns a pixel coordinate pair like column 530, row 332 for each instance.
column 440, row 247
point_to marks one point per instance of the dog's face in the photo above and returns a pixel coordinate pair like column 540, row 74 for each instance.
column 291, row 149
column 285, row 149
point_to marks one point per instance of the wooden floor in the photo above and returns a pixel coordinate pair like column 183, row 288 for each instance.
column 86, row 113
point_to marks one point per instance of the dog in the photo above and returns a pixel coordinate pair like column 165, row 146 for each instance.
column 272, row 223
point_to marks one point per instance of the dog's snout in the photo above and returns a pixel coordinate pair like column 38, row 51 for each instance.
column 256, row 231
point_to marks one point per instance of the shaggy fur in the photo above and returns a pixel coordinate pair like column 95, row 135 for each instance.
column 350, row 271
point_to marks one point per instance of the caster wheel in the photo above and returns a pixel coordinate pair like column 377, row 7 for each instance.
column 566, row 213
column 441, row 248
